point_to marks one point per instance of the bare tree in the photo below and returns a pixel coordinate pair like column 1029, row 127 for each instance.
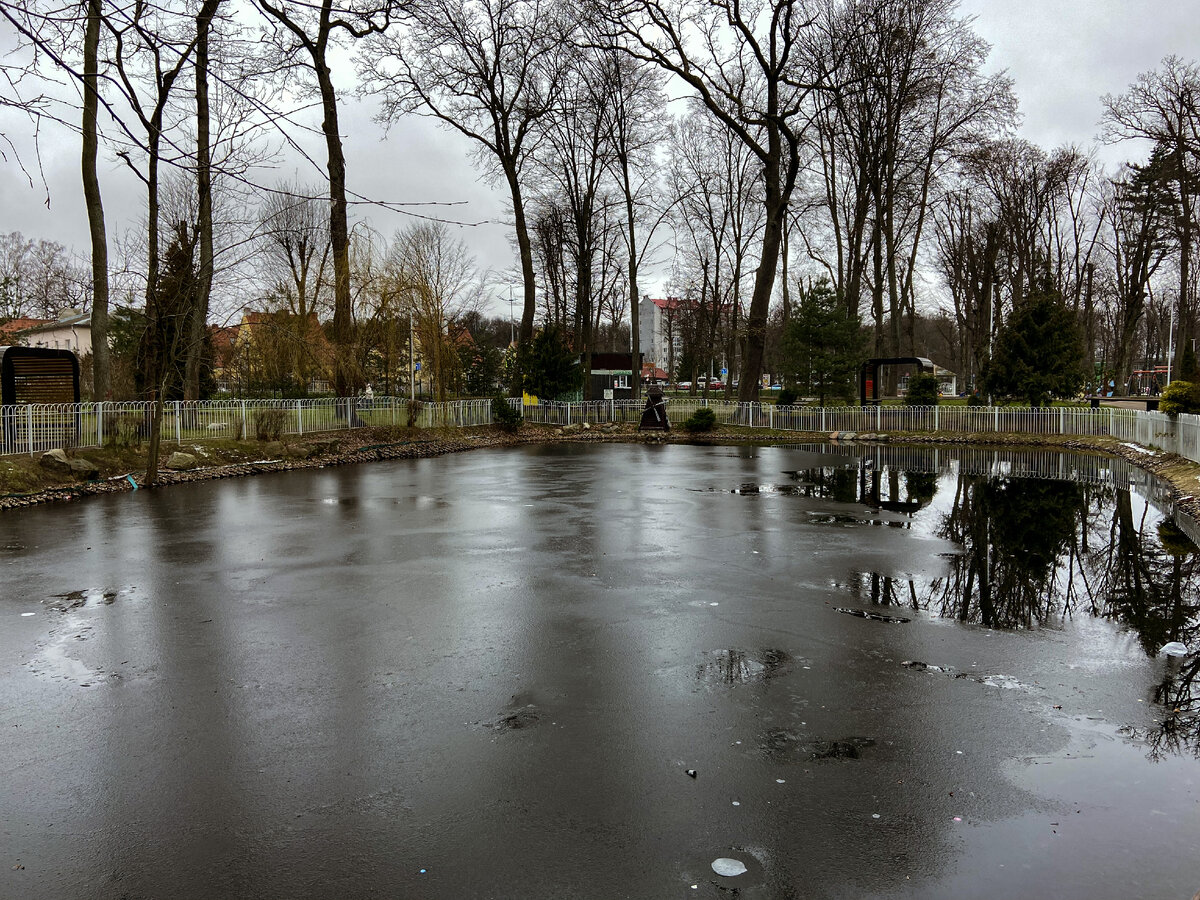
column 574, row 158
column 632, row 115
column 718, row 219
column 312, row 29
column 1162, row 107
column 488, row 69
column 294, row 237
column 911, row 97
column 744, row 61
column 435, row 273
column 1138, row 206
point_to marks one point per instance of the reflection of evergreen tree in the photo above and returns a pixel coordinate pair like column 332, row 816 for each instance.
column 1013, row 532
column 921, row 486
column 1030, row 522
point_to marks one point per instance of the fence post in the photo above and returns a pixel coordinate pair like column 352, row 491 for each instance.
column 771, row 416
column 822, row 418
column 244, row 432
column 879, row 417
column 1062, row 420
column 995, row 418
column 29, row 426
column 299, row 418
column 100, row 424
column 178, row 424
column 935, row 418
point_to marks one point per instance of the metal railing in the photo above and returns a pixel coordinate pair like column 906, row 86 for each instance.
column 31, row 428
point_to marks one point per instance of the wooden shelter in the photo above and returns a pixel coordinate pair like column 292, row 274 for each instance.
column 38, row 375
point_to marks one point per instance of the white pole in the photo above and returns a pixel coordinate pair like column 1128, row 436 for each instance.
column 412, row 370
column 1170, row 344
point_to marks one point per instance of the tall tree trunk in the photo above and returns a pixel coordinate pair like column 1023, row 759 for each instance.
column 525, row 251
column 1090, row 322
column 775, row 203
column 95, row 205
column 156, row 417
column 152, row 361
column 1186, row 311
column 339, row 229
column 198, row 316
column 635, row 379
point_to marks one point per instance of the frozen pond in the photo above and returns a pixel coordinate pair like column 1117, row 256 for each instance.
column 909, row 673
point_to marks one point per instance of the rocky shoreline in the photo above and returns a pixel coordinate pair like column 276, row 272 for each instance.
column 371, row 445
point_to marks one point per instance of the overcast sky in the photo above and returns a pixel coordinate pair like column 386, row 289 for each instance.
column 1062, row 54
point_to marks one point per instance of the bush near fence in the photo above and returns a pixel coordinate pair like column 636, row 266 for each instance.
column 35, row 428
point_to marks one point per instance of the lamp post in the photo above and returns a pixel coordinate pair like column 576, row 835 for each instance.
column 1170, row 344
column 512, row 322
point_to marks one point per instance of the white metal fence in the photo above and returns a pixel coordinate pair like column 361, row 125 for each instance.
column 31, row 428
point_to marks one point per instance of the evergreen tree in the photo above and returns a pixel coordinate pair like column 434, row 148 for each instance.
column 163, row 351
column 922, row 390
column 1039, row 353
column 482, row 366
column 550, row 367
column 822, row 346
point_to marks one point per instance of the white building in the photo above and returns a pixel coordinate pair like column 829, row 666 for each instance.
column 659, row 332
column 71, row 331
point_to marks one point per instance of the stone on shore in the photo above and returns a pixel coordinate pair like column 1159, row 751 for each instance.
column 181, row 461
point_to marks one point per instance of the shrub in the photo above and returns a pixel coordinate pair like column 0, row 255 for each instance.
column 414, row 413
column 787, row 397
column 703, row 419
column 122, row 430
column 505, row 415
column 922, row 390
column 1180, row 397
column 976, row 399
column 268, row 423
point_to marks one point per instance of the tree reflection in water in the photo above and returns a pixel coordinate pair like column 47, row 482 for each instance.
column 1036, row 552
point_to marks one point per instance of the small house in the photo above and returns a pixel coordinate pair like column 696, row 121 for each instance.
column 612, row 375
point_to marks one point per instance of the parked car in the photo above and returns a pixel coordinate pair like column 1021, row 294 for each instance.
column 716, row 385
column 684, row 386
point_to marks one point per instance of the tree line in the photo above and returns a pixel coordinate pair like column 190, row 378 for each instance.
column 750, row 151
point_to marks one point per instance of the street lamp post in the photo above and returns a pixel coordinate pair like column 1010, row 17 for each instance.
column 1170, row 344
column 512, row 322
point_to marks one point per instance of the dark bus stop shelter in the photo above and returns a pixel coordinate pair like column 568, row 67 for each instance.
column 868, row 374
